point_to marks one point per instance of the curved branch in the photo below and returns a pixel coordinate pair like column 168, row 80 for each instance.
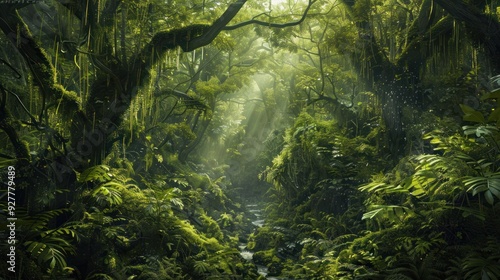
column 270, row 24
column 246, row 101
column 7, row 125
column 169, row 40
column 11, row 68
column 216, row 28
column 324, row 98
column 188, row 100
column 35, row 123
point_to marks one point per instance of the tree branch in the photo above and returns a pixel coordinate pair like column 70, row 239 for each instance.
column 186, row 99
column 216, row 27
column 188, row 40
column 270, row 24
column 7, row 125
column 37, row 61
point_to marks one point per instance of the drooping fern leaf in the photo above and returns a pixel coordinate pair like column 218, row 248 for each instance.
column 99, row 173
column 487, row 185
column 38, row 222
column 108, row 193
column 51, row 249
column 394, row 213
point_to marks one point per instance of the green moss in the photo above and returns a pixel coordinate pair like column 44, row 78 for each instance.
column 265, row 237
column 211, row 228
column 251, row 244
column 213, row 244
column 266, row 257
column 178, row 37
column 198, row 181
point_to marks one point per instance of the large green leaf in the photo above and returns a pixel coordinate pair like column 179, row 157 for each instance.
column 481, row 268
column 472, row 115
column 49, row 251
column 109, row 193
column 488, row 186
column 494, row 116
column 491, row 95
column 480, row 130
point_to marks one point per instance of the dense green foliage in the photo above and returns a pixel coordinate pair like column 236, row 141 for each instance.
column 367, row 131
column 433, row 216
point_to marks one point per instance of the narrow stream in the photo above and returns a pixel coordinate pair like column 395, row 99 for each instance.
column 247, row 254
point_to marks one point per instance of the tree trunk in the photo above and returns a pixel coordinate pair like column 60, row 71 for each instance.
column 482, row 28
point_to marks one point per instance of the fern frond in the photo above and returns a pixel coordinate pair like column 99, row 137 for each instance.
column 488, row 186
column 99, row 173
column 394, row 213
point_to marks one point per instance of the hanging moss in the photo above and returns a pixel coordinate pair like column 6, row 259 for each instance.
column 167, row 40
column 266, row 257
column 66, row 101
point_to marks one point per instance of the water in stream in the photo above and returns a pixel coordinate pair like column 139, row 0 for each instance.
column 247, row 254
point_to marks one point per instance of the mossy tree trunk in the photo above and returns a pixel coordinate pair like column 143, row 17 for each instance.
column 116, row 83
column 482, row 29
column 91, row 120
column 91, row 123
column 396, row 81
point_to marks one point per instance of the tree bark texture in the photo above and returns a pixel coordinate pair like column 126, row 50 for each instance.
column 482, row 29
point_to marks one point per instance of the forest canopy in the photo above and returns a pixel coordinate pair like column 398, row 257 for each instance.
column 135, row 135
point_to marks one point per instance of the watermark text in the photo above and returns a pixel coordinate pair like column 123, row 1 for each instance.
column 11, row 220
